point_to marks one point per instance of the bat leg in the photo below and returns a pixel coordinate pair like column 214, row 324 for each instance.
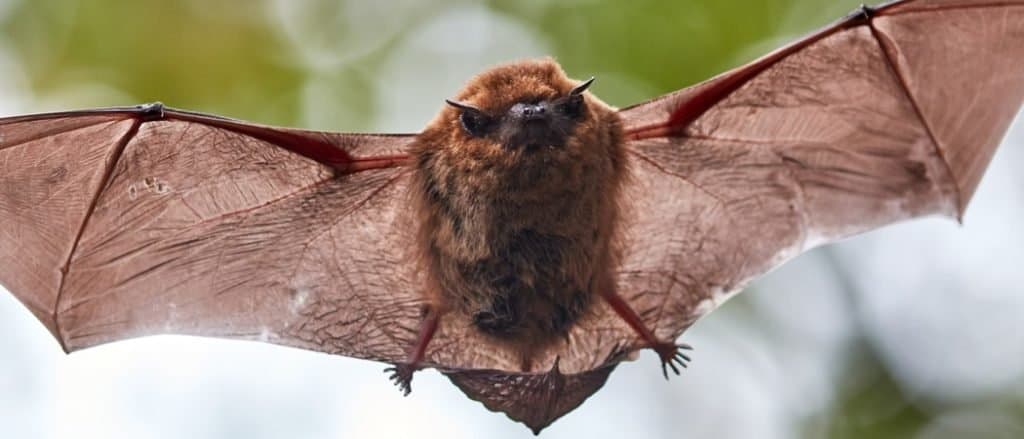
column 401, row 373
column 671, row 354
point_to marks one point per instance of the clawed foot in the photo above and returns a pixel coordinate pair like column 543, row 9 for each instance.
column 401, row 374
column 672, row 356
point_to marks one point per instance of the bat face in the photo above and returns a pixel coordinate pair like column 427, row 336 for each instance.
column 522, row 112
column 531, row 122
column 517, row 187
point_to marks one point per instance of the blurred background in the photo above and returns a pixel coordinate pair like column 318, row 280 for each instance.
column 916, row 330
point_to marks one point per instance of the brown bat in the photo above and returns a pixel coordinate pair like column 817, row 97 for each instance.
column 531, row 237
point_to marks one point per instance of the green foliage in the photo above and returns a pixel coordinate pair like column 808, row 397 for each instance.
column 176, row 52
column 667, row 44
column 229, row 57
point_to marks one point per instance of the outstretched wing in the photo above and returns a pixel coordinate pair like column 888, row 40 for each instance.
column 889, row 114
column 127, row 222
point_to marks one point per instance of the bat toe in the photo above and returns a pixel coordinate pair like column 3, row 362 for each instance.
column 401, row 375
column 672, row 357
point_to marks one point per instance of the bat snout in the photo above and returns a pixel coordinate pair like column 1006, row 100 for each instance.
column 530, row 126
column 527, row 113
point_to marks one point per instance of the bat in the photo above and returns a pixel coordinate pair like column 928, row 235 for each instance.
column 531, row 237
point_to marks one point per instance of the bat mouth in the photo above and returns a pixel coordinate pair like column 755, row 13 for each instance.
column 532, row 134
column 536, row 125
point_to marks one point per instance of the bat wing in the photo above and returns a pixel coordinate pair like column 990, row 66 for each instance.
column 127, row 222
column 890, row 114
column 121, row 223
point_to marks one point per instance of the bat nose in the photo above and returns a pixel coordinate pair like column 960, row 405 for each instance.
column 529, row 111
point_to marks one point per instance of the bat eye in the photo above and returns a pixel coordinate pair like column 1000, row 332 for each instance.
column 476, row 124
column 474, row 121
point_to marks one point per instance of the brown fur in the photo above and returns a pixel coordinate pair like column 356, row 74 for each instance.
column 509, row 228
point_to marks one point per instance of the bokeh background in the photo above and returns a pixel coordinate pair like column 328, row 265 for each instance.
column 916, row 330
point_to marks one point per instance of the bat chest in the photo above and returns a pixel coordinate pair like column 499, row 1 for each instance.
column 527, row 288
column 519, row 265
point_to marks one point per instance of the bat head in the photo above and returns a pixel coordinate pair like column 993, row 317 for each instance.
column 523, row 108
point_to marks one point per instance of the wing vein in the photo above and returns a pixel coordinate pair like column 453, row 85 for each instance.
column 892, row 66
column 665, row 171
column 112, row 161
column 54, row 133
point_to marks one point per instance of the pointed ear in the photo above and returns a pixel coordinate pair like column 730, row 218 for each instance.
column 579, row 89
column 462, row 106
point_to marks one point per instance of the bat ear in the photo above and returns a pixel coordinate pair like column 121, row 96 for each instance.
column 462, row 106
column 572, row 105
column 473, row 119
column 579, row 89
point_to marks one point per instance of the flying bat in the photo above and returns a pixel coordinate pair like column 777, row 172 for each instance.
column 531, row 237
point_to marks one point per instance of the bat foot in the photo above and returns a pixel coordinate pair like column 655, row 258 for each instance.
column 672, row 357
column 401, row 375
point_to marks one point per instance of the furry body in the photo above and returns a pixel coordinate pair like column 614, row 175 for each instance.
column 519, row 238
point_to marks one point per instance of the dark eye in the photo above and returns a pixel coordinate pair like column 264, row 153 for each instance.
column 572, row 107
column 476, row 123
